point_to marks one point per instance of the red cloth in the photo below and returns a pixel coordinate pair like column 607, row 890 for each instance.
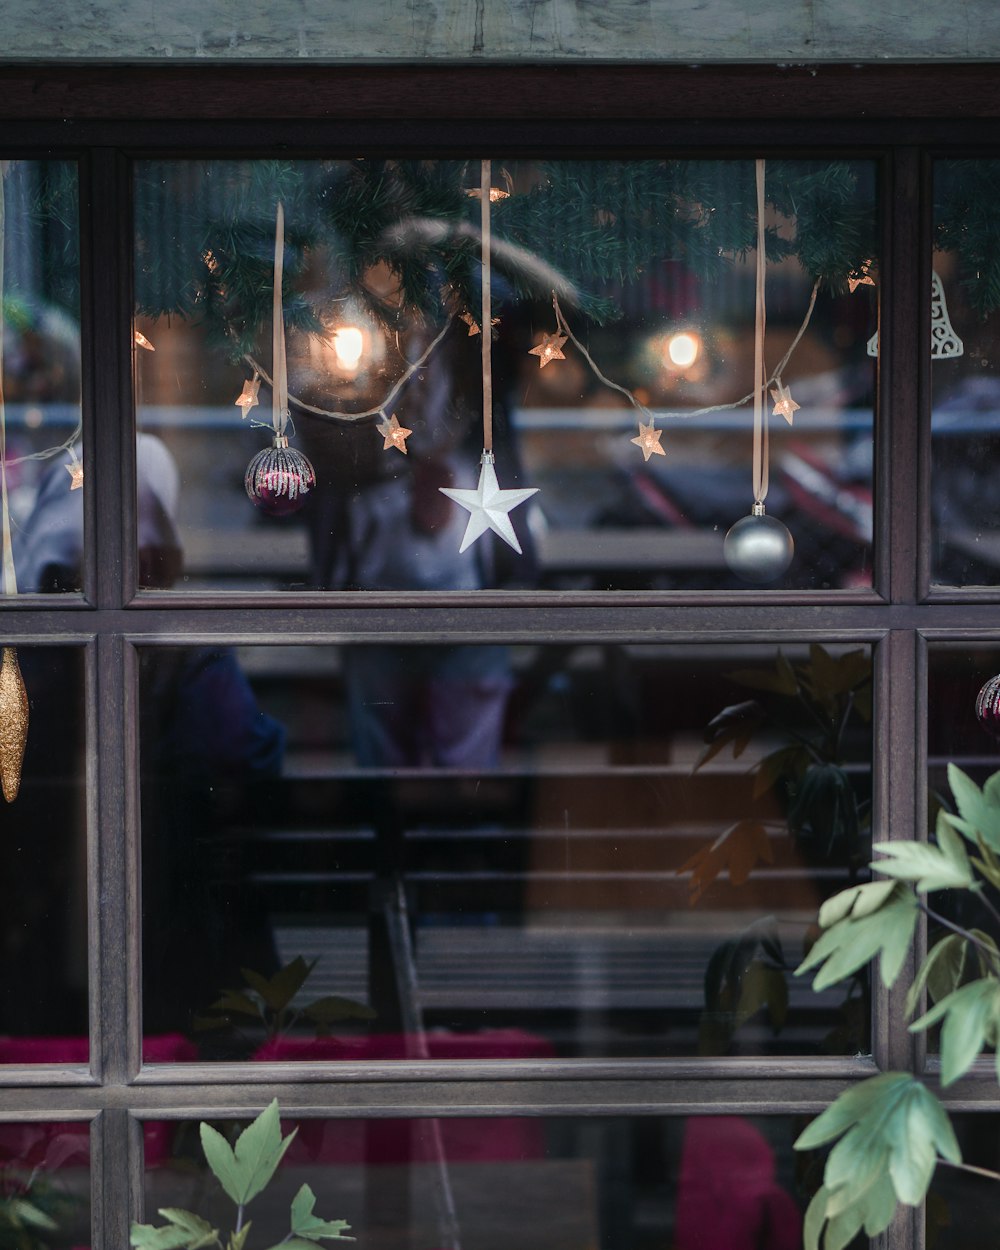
column 67, row 1143
column 728, row 1197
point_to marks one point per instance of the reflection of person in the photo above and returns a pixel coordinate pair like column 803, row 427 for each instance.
column 48, row 551
column 209, row 759
column 437, row 706
column 380, row 522
column 729, row 1197
column 206, row 752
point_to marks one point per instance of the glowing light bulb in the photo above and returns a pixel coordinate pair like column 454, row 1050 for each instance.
column 349, row 344
column 683, row 350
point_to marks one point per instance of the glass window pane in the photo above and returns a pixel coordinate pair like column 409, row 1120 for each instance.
column 965, row 373
column 640, row 274
column 961, row 731
column 554, row 851
column 485, row 1184
column 962, row 1207
column 40, row 392
column 43, row 886
column 45, row 1185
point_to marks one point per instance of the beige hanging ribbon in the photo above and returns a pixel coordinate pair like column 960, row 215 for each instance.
column 9, row 575
column 486, row 322
column 760, row 431
column 279, row 365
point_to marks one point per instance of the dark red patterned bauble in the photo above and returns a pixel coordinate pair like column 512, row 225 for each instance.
column 279, row 478
column 988, row 707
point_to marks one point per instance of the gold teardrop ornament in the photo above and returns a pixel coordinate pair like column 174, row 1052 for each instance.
column 13, row 723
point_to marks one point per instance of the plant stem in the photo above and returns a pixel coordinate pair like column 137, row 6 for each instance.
column 239, row 1217
column 990, row 907
column 955, row 928
column 971, row 1167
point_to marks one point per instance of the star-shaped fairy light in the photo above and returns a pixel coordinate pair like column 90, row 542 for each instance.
column 248, row 396
column 549, row 349
column 142, row 341
column 784, row 405
column 488, row 506
column 648, row 439
column 75, row 471
column 395, row 435
column 473, row 324
column 860, row 277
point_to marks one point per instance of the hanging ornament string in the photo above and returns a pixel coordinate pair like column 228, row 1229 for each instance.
column 14, row 707
column 692, row 413
column 279, row 390
column 760, row 425
column 486, row 174
column 759, row 548
column 9, row 575
column 488, row 505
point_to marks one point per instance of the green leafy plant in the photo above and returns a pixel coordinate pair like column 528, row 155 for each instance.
column 269, row 1002
column 29, row 1207
column 33, row 1206
column 891, row 1131
column 244, row 1171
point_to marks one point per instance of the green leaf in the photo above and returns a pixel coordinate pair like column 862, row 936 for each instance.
column 762, row 986
column 733, row 725
column 941, row 971
column 892, row 1131
column 781, row 680
column 245, row 1171
column 306, row 1224
column 287, row 982
column 332, row 1009
column 238, row 1240
column 850, row 943
column 847, row 1110
column 988, row 865
column 989, row 960
column 785, row 762
column 970, row 1014
column 978, row 814
column 148, row 1237
column 28, row 1213
column 815, row 1219
column 198, row 1231
column 843, row 1228
column 233, row 1000
column 942, row 867
column 859, row 900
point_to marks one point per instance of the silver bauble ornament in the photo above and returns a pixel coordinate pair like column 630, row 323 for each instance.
column 988, row 707
column 279, row 478
column 758, row 548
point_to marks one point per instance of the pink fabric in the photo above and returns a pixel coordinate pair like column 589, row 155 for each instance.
column 728, row 1197
column 403, row 1141
column 68, row 1143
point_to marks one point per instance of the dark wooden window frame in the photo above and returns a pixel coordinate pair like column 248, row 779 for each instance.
column 103, row 116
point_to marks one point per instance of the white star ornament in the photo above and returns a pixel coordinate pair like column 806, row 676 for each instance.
column 488, row 506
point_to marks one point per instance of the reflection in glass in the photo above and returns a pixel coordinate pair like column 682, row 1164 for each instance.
column 642, row 272
column 712, row 1181
column 955, row 674
column 962, row 1211
column 43, row 885
column 486, row 852
column 40, row 397
column 45, row 1185
column 965, row 375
